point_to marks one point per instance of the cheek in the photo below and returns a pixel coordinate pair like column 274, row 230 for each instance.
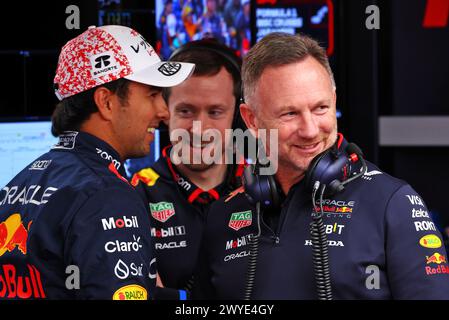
column 286, row 132
column 222, row 126
column 328, row 123
column 179, row 123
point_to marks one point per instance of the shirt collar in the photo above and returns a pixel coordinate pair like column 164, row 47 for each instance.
column 93, row 148
column 192, row 192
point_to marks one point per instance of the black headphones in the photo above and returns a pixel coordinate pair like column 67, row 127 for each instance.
column 231, row 60
column 331, row 168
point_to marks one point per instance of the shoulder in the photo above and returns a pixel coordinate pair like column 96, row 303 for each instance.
column 383, row 192
column 235, row 200
column 112, row 200
column 377, row 180
column 157, row 173
column 146, row 176
column 81, row 176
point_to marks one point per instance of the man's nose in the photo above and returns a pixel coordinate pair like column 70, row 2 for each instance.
column 203, row 121
column 162, row 112
column 308, row 128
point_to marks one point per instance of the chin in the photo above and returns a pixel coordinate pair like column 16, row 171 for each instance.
column 290, row 164
column 198, row 167
column 143, row 152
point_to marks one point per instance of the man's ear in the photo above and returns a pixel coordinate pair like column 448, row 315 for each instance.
column 249, row 117
column 104, row 99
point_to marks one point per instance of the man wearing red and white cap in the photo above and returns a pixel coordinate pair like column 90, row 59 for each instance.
column 71, row 227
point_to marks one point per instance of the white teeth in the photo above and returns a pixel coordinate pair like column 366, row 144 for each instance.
column 308, row 147
column 202, row 145
column 151, row 130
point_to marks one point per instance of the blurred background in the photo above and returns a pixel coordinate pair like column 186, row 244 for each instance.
column 392, row 82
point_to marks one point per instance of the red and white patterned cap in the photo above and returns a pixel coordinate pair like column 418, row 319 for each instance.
column 104, row 54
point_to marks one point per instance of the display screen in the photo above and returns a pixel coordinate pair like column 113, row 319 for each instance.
column 181, row 21
column 312, row 17
column 20, row 144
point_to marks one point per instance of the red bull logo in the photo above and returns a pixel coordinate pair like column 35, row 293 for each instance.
column 344, row 209
column 436, row 258
column 22, row 286
column 441, row 269
column 13, row 234
column 147, row 176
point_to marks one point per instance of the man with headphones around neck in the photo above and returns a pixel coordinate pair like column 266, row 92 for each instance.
column 328, row 224
column 179, row 193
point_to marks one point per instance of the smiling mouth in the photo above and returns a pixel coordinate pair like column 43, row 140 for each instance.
column 202, row 145
column 308, row 148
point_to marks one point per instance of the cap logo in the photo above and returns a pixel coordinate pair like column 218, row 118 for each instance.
column 103, row 64
column 102, row 61
column 169, row 68
column 144, row 44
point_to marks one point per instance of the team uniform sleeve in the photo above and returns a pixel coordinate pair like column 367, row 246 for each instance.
column 109, row 241
column 416, row 259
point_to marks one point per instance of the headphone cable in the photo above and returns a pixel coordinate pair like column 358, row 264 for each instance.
column 252, row 260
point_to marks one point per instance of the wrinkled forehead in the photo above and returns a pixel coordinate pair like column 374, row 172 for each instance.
column 305, row 80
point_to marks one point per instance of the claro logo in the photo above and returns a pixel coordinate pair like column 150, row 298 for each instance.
column 123, row 246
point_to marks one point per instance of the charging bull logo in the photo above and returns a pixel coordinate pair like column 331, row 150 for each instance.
column 436, row 258
column 13, row 234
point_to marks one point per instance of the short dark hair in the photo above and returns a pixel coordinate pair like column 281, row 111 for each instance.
column 209, row 56
column 277, row 49
column 71, row 112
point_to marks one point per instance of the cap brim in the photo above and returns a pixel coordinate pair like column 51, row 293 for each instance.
column 163, row 74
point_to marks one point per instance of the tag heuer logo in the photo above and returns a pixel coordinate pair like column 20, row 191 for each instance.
column 162, row 211
column 240, row 220
column 169, row 68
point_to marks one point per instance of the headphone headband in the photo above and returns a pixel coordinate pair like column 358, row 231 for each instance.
column 213, row 46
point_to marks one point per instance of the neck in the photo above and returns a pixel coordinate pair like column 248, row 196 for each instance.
column 206, row 179
column 102, row 131
column 287, row 178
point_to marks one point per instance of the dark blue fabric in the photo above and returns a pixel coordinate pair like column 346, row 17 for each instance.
column 177, row 239
column 76, row 211
column 374, row 246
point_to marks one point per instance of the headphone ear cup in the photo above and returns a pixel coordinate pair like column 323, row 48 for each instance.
column 250, row 183
column 260, row 189
column 315, row 169
column 327, row 168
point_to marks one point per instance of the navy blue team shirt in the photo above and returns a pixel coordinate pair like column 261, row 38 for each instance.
column 71, row 210
column 382, row 245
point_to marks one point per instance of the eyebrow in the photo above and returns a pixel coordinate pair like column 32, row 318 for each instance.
column 292, row 107
column 189, row 105
column 184, row 105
